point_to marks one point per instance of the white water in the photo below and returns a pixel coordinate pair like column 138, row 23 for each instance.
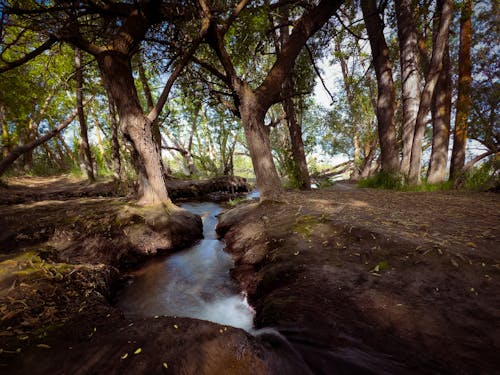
column 194, row 282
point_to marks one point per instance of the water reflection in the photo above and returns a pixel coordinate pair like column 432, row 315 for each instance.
column 192, row 283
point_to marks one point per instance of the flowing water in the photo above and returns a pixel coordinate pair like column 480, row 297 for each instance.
column 194, row 282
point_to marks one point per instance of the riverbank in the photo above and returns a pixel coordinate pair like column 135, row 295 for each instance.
column 357, row 280
column 371, row 281
column 64, row 247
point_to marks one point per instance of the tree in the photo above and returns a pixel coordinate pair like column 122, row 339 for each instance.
column 464, row 91
column 253, row 103
column 85, row 156
column 441, row 115
column 300, row 171
column 440, row 41
column 112, row 33
column 410, row 76
column 386, row 92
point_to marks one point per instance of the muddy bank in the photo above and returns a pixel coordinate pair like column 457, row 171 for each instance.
column 364, row 281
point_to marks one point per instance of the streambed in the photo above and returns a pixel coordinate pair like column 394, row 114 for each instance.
column 194, row 282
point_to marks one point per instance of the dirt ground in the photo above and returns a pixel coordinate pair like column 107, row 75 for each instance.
column 372, row 281
column 356, row 280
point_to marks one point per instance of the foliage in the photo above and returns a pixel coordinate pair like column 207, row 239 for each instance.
column 484, row 177
column 383, row 180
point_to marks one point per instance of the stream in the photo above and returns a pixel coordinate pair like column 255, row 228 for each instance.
column 194, row 282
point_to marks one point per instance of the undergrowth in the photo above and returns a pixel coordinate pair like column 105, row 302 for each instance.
column 398, row 182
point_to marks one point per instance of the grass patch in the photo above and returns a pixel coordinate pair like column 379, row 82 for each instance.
column 391, row 181
column 384, row 180
column 233, row 202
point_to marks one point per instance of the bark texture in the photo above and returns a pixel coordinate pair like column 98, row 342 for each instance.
column 386, row 100
column 117, row 75
column 440, row 41
column 441, row 115
column 115, row 143
column 464, row 88
column 410, row 76
column 85, row 156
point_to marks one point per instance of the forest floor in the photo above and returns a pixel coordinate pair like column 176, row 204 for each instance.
column 375, row 281
column 358, row 281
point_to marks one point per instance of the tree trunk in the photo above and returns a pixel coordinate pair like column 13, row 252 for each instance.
column 257, row 136
column 5, row 133
column 301, row 173
column 149, row 100
column 410, row 76
column 84, row 153
column 464, row 91
column 117, row 75
column 386, row 100
column 299, row 157
column 115, row 144
column 441, row 114
column 444, row 10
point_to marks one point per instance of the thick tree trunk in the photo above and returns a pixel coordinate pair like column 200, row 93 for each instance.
column 410, row 76
column 257, row 136
column 117, row 75
column 441, row 115
column 445, row 11
column 84, row 154
column 386, row 101
column 464, row 89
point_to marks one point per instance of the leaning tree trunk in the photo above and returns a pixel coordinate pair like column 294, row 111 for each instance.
column 440, row 42
column 410, row 76
column 85, row 156
column 464, row 90
column 17, row 151
column 117, row 75
column 441, row 114
column 386, row 101
column 257, row 136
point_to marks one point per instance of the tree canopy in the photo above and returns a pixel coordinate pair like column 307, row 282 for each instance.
column 215, row 87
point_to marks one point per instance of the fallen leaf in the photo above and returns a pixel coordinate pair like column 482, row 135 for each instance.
column 165, row 365
column 138, row 350
column 43, row 346
column 124, row 356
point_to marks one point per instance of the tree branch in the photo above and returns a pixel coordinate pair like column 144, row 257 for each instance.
column 319, row 74
column 29, row 56
column 205, row 23
column 22, row 149
column 306, row 26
